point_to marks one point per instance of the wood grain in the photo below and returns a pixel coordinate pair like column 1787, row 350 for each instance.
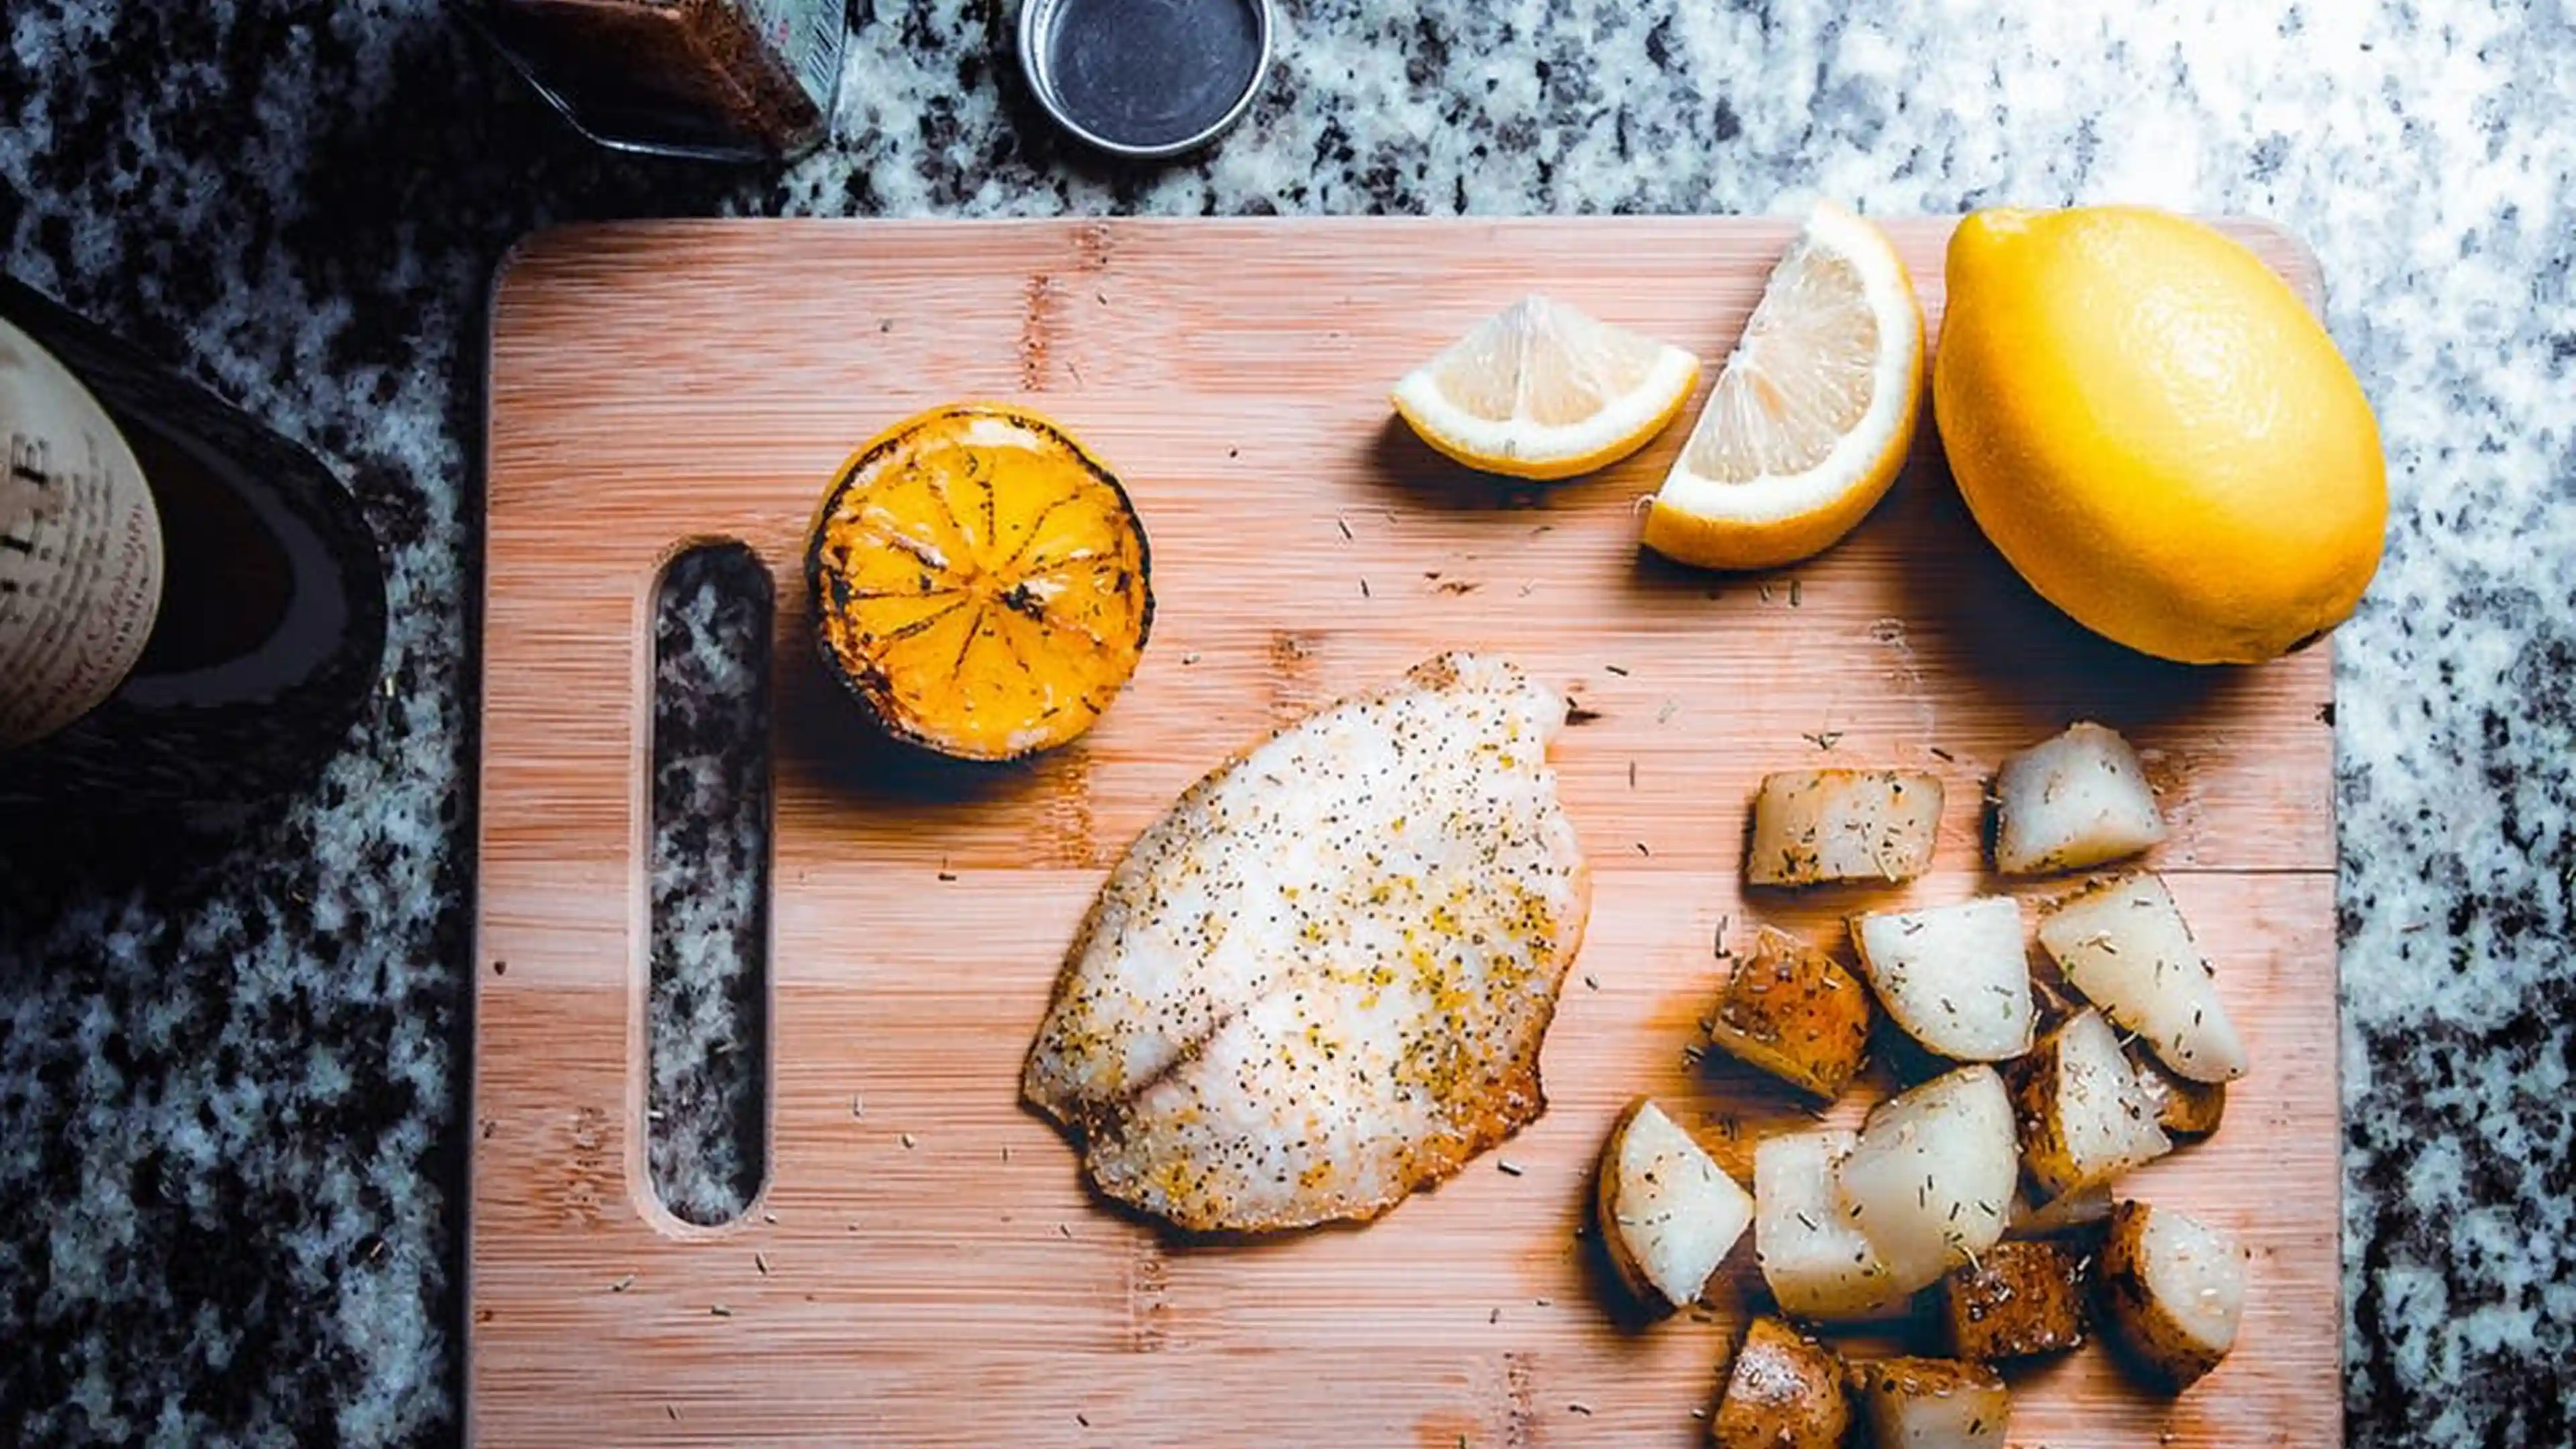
column 661, row 383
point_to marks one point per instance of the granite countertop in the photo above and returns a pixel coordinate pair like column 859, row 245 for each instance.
column 230, row 1106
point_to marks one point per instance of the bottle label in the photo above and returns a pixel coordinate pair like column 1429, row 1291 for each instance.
column 80, row 547
column 808, row 35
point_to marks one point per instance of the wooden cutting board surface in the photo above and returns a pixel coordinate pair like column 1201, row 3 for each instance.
column 935, row 1271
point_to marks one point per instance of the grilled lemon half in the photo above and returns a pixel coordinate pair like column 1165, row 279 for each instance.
column 980, row 582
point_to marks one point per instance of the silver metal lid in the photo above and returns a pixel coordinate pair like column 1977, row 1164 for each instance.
column 1145, row 78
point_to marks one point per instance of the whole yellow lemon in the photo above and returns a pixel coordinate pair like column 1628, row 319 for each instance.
column 2156, row 432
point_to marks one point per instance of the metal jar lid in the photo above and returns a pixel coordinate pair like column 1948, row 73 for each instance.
column 1145, row 78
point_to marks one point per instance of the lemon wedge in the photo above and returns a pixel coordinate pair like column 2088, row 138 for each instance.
column 1812, row 415
column 1543, row 390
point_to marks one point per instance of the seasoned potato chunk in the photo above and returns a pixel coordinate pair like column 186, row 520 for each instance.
column 1930, row 1180
column 1816, row 1263
column 2018, row 1299
column 2184, row 1108
column 2083, row 1117
column 2126, row 947
column 1791, row 1010
column 1934, row 1403
column 1812, row 826
column 2174, row 1289
column 1955, row 978
column 1785, row 1391
column 1669, row 1213
column 2073, row 801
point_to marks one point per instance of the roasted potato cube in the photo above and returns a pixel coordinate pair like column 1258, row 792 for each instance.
column 2084, row 1119
column 1785, row 1391
column 2017, row 1300
column 2126, row 947
column 1955, row 978
column 1930, row 1178
column 1934, row 1403
column 1817, row 1264
column 1791, row 1010
column 2184, row 1108
column 1669, row 1213
column 2173, row 1291
column 1811, row 826
column 2073, row 801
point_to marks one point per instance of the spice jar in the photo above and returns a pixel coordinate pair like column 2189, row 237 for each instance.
column 726, row 80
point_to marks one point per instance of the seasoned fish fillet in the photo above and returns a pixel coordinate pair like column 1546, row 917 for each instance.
column 1321, row 980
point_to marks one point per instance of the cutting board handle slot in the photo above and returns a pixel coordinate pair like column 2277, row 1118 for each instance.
column 706, row 1058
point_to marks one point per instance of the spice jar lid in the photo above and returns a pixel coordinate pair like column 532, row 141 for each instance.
column 1145, row 78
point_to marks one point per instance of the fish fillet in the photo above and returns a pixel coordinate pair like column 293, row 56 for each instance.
column 1321, row 980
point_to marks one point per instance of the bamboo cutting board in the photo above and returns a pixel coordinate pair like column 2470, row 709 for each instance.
column 934, row 1272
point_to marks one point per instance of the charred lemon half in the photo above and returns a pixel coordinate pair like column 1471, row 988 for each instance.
column 979, row 582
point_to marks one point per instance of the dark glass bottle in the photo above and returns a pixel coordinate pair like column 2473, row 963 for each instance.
column 270, row 626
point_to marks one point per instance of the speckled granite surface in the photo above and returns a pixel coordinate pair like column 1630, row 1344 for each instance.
column 710, row 914
column 229, row 1146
